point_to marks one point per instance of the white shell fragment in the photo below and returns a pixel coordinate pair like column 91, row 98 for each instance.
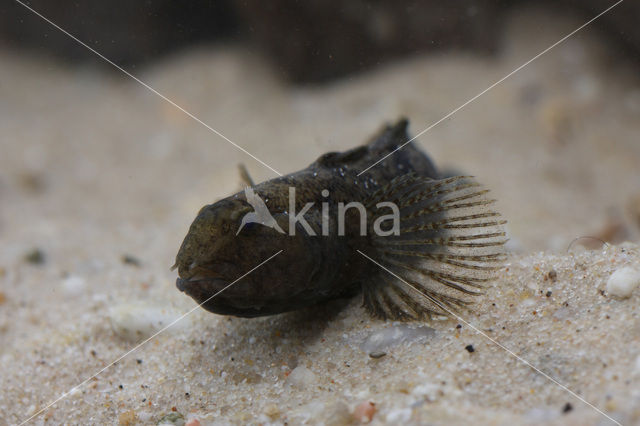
column 301, row 377
column 73, row 285
column 623, row 281
column 139, row 320
column 392, row 336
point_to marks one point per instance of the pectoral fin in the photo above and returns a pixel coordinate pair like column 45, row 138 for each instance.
column 449, row 245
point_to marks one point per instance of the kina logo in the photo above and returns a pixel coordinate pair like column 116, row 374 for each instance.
column 260, row 214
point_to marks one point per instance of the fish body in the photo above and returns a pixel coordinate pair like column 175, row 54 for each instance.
column 321, row 255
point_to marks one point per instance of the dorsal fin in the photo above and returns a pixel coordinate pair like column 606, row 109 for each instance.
column 385, row 140
column 336, row 159
column 390, row 136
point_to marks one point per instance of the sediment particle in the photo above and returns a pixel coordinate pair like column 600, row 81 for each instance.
column 301, row 377
column 35, row 256
column 127, row 418
column 364, row 411
column 623, row 281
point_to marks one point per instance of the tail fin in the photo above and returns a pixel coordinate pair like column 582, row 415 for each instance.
column 450, row 244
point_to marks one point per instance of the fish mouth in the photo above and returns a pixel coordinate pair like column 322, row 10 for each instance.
column 210, row 295
column 200, row 285
column 181, row 284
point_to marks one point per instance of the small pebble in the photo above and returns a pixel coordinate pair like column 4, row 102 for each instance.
column 553, row 275
column 172, row 419
column 364, row 412
column 623, row 281
column 301, row 377
column 127, row 259
column 35, row 256
column 470, row 348
column 128, row 418
column 73, row 285
column 377, row 354
column 193, row 422
column 567, row 407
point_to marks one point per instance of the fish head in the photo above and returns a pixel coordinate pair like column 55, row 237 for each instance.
column 225, row 270
column 210, row 234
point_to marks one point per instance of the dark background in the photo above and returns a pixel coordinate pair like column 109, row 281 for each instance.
column 306, row 41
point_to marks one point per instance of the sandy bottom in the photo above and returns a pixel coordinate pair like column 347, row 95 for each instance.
column 94, row 167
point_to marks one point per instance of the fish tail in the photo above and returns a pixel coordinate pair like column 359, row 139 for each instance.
column 446, row 245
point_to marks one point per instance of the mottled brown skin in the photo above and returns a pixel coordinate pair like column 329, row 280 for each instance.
column 310, row 269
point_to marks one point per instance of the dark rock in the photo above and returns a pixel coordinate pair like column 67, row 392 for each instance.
column 322, row 39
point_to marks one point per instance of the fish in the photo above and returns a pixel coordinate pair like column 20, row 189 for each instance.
column 437, row 239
